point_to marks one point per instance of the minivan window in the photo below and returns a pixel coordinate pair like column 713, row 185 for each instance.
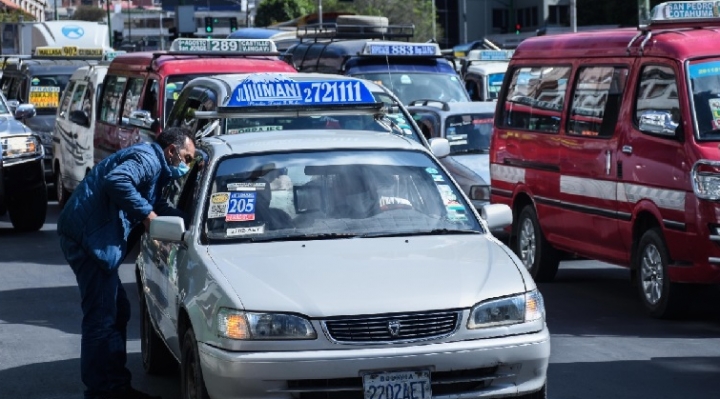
column 44, row 92
column 76, row 104
column 657, row 91
column 132, row 97
column 596, row 101
column 66, row 99
column 111, row 98
column 469, row 133
column 705, row 87
column 173, row 87
column 535, row 98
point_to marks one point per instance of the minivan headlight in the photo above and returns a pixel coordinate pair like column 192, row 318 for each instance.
column 18, row 146
column 235, row 324
column 515, row 309
column 706, row 179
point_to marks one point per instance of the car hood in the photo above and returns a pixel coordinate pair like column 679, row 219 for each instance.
column 368, row 275
column 478, row 163
column 41, row 123
column 8, row 125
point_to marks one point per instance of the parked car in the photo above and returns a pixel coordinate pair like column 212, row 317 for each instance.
column 328, row 262
column 23, row 191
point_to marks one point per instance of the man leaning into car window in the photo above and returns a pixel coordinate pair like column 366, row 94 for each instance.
column 120, row 193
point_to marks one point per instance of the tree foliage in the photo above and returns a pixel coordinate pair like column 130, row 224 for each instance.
column 272, row 11
column 89, row 13
column 13, row 15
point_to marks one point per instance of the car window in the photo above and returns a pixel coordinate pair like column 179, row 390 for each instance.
column 112, row 93
column 596, row 101
column 469, row 133
column 151, row 98
column 411, row 87
column 132, row 97
column 333, row 193
column 76, row 104
column 67, row 95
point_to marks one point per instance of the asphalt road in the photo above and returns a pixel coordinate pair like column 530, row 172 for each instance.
column 604, row 346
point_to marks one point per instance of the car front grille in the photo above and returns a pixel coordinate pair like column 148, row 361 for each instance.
column 392, row 327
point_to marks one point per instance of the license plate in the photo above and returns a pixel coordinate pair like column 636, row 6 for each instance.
column 398, row 385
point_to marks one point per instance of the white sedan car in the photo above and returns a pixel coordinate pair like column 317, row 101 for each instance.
column 349, row 265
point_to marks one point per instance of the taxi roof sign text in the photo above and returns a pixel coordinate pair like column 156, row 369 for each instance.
column 277, row 89
column 223, row 45
column 492, row 55
column 70, row 52
column 682, row 11
column 402, row 49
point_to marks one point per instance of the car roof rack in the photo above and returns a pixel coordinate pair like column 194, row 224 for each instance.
column 429, row 103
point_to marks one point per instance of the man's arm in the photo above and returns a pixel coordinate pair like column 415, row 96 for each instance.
column 121, row 185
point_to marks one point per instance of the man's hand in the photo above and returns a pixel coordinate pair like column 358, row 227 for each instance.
column 148, row 219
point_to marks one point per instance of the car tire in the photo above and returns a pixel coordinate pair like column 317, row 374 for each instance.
column 539, row 257
column 662, row 298
column 156, row 357
column 61, row 194
column 192, row 384
column 541, row 394
column 28, row 210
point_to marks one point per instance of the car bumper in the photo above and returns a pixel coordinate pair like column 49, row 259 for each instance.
column 501, row 367
column 20, row 175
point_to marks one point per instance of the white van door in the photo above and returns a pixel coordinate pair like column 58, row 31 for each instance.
column 79, row 114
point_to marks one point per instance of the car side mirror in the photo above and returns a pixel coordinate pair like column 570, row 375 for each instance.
column 167, row 228
column 657, row 122
column 25, row 111
column 440, row 147
column 79, row 117
column 497, row 216
column 141, row 119
column 13, row 104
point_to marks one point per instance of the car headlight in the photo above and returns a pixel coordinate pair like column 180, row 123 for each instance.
column 515, row 309
column 480, row 193
column 18, row 146
column 235, row 324
column 706, row 179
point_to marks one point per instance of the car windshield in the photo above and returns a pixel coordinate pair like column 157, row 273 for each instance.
column 4, row 109
column 411, row 87
column 395, row 122
column 494, row 82
column 705, row 86
column 334, row 194
column 45, row 91
column 469, row 133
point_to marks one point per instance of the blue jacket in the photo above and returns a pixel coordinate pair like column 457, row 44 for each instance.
column 117, row 194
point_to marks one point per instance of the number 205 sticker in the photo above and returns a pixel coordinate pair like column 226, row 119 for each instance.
column 241, row 206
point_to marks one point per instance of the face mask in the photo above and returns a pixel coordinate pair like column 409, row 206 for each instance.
column 179, row 171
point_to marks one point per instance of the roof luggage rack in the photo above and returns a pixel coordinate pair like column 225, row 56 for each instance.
column 334, row 31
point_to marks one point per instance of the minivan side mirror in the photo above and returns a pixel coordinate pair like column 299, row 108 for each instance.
column 657, row 122
column 25, row 111
column 79, row 117
column 440, row 147
column 142, row 119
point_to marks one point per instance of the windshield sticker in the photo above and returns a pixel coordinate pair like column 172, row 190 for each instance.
column 438, row 178
column 241, row 207
column 245, row 231
column 245, row 186
column 35, row 81
column 482, row 121
column 447, row 194
column 255, row 129
column 218, row 205
column 715, row 107
column 704, row 69
column 456, row 213
column 431, row 170
column 45, row 96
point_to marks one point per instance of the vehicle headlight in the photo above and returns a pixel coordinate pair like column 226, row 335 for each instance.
column 516, row 309
column 706, row 179
column 235, row 324
column 480, row 193
column 17, row 146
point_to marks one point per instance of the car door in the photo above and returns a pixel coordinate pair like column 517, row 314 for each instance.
column 588, row 184
column 62, row 136
column 74, row 168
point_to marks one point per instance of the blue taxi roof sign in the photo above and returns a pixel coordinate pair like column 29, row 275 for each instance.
column 263, row 90
column 401, row 49
column 491, row 55
column 684, row 11
column 110, row 55
column 197, row 45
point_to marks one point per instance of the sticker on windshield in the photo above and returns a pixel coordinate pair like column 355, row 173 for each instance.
column 245, row 231
column 245, row 186
column 456, row 212
column 715, row 107
column 218, row 205
column 438, row 178
column 254, row 129
column 45, row 96
column 241, row 207
column 432, row 171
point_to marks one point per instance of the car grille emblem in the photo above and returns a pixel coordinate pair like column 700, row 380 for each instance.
column 394, row 328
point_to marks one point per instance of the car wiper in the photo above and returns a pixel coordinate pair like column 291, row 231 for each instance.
column 306, row 237
column 472, row 151
column 432, row 232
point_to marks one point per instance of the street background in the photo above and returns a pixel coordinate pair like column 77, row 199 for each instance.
column 603, row 344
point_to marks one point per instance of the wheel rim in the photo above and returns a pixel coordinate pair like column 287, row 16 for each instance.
column 651, row 274
column 59, row 186
column 527, row 243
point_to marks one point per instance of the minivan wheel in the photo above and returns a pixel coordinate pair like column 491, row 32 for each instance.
column 192, row 385
column 156, row 357
column 60, row 192
column 28, row 210
column 661, row 298
column 536, row 254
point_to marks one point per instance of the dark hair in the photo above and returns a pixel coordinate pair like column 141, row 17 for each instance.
column 174, row 135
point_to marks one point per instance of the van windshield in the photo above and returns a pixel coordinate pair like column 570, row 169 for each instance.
column 469, row 133
column 45, row 91
column 411, row 87
column 705, row 86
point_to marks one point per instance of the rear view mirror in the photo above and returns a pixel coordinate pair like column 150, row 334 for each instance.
column 657, row 122
column 167, row 228
column 79, row 117
column 25, row 111
column 497, row 216
column 307, row 199
column 440, row 147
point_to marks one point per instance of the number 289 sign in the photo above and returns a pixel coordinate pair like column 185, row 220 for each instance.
column 241, row 206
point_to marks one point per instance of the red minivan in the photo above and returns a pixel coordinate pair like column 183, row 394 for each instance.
column 140, row 88
column 606, row 146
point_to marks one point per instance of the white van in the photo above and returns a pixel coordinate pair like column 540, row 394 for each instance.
column 74, row 129
column 483, row 72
